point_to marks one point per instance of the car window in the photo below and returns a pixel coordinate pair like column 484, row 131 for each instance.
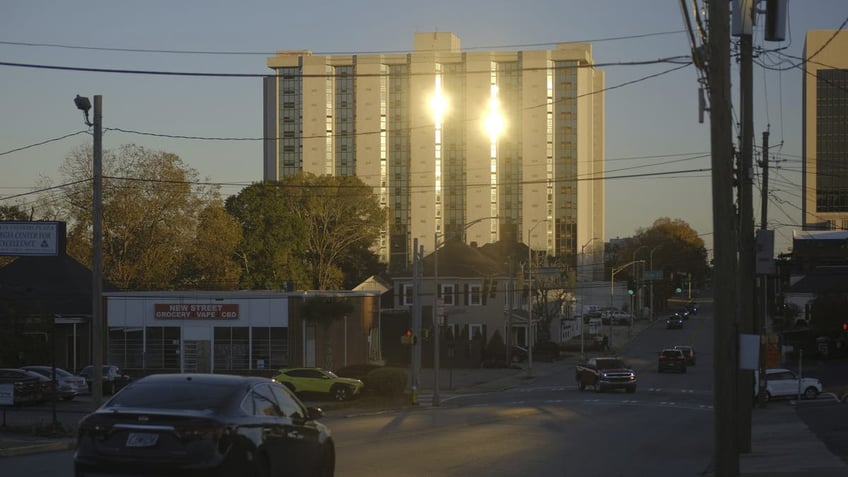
column 671, row 353
column 610, row 363
column 175, row 395
column 313, row 373
column 288, row 404
column 264, row 402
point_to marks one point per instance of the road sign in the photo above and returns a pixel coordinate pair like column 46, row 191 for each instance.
column 652, row 275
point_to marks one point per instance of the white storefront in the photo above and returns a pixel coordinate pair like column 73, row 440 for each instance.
column 198, row 331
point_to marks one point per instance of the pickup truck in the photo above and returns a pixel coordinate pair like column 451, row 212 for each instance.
column 605, row 372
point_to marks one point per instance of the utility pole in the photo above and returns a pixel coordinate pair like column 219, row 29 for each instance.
column 760, row 325
column 746, row 276
column 726, row 456
column 415, row 346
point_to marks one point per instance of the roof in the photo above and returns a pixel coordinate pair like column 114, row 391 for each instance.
column 822, row 280
column 820, row 235
column 57, row 285
column 456, row 259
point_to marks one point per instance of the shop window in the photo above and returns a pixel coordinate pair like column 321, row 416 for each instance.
column 163, row 347
column 270, row 348
column 232, row 348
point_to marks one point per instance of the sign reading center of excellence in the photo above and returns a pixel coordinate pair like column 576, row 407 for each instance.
column 196, row 312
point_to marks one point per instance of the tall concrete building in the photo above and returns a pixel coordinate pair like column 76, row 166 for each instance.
column 825, row 182
column 480, row 146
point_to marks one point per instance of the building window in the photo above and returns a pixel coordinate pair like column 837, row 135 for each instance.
column 163, row 347
column 269, row 348
column 447, row 294
column 231, row 348
column 406, row 298
column 126, row 347
column 475, row 331
column 475, row 294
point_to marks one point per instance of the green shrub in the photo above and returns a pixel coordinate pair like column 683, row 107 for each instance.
column 387, row 381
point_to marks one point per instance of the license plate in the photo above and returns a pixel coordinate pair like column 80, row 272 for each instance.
column 142, row 439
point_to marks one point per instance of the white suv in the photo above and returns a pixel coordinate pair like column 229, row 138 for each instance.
column 783, row 382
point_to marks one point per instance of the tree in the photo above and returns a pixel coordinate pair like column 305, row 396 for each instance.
column 341, row 218
column 210, row 264
column 151, row 206
column 678, row 250
column 323, row 311
column 272, row 237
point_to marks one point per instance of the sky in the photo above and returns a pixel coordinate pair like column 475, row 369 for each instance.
column 657, row 152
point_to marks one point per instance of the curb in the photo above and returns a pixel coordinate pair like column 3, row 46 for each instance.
column 53, row 446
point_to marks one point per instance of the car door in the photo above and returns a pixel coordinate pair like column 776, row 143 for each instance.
column 783, row 383
column 303, row 435
column 274, row 428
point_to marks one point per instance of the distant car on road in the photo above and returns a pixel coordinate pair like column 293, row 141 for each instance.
column 688, row 352
column 674, row 322
column 671, row 359
column 785, row 383
column 305, row 381
column 605, row 372
column 204, row 424
column 68, row 386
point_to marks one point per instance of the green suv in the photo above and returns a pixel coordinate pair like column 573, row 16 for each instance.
column 305, row 381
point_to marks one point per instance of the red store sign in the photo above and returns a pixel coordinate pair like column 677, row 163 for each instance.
column 196, row 311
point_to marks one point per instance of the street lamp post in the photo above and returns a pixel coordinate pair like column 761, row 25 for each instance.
column 651, row 262
column 437, row 308
column 613, row 272
column 580, row 289
column 530, row 327
column 636, row 280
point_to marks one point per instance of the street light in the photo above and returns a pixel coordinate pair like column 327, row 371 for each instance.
column 530, row 299
column 651, row 257
column 82, row 103
column 613, row 272
column 636, row 279
column 437, row 318
column 582, row 353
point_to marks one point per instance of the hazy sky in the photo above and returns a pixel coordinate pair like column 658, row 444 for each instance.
column 652, row 132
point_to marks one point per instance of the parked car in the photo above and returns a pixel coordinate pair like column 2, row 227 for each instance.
column 113, row 378
column 46, row 387
column 671, row 359
column 618, row 317
column 27, row 388
column 674, row 322
column 306, row 381
column 204, row 424
column 688, row 352
column 68, row 386
column 784, row 383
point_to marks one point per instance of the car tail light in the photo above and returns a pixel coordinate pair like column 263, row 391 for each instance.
column 200, row 431
column 681, row 357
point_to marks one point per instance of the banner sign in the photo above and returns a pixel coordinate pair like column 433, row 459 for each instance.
column 197, row 311
column 19, row 239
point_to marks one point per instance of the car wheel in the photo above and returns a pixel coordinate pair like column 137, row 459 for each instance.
column 811, row 393
column 341, row 393
column 631, row 389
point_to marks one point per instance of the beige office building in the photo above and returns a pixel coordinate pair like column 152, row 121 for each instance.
column 475, row 145
column 825, row 182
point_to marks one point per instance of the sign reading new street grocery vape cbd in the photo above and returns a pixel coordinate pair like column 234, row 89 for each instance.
column 32, row 239
column 196, row 311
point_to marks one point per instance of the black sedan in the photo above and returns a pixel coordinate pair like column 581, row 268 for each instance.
column 204, row 424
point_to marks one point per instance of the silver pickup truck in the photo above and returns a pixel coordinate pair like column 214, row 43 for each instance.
column 605, row 372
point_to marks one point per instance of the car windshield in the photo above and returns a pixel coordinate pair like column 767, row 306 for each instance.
column 611, row 363
column 174, row 395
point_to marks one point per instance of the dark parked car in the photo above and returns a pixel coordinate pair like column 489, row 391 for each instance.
column 688, row 352
column 26, row 386
column 46, row 387
column 113, row 378
column 674, row 321
column 671, row 359
column 204, row 424
column 68, row 385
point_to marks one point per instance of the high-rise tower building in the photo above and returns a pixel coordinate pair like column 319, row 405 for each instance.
column 825, row 182
column 476, row 145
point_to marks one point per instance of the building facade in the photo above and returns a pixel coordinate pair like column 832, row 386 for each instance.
column 480, row 146
column 825, row 181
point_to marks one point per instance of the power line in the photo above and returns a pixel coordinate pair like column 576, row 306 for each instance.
column 263, row 53
column 46, row 141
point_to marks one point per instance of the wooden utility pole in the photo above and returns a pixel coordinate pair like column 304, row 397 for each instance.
column 760, row 325
column 726, row 456
column 746, row 276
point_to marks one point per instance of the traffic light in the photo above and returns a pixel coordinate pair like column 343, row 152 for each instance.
column 845, row 326
column 407, row 338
